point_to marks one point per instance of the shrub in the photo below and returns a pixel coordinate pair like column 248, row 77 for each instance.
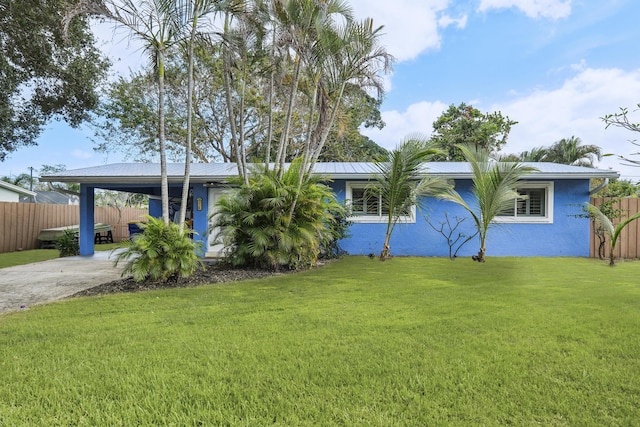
column 338, row 226
column 67, row 243
column 160, row 252
column 277, row 222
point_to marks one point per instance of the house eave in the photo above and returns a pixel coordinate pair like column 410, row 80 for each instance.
column 17, row 189
column 346, row 171
column 137, row 179
column 546, row 175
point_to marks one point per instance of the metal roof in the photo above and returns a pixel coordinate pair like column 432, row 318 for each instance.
column 149, row 173
column 16, row 189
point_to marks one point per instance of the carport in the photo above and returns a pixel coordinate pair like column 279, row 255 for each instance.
column 144, row 178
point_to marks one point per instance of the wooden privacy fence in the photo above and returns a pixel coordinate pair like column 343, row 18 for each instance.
column 20, row 223
column 628, row 245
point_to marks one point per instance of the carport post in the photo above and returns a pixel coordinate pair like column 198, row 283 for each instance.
column 201, row 215
column 87, row 208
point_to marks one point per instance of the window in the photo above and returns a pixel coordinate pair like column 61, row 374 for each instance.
column 365, row 202
column 367, row 206
column 536, row 204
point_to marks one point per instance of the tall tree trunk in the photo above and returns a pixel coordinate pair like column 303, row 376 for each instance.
column 386, row 249
column 482, row 251
column 282, row 148
column 241, row 131
column 187, row 155
column 272, row 78
column 240, row 162
column 326, row 129
column 164, row 181
column 306, row 154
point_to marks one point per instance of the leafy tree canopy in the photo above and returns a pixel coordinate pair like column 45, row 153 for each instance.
column 23, row 180
column 126, row 119
column 30, row 181
column 44, row 73
column 466, row 125
column 345, row 143
column 619, row 188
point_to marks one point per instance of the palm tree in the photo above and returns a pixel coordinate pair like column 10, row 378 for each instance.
column 354, row 56
column 23, row 180
column 251, row 223
column 302, row 24
column 494, row 189
column 571, row 152
column 609, row 229
column 151, row 21
column 342, row 55
column 188, row 15
column 536, row 154
column 400, row 183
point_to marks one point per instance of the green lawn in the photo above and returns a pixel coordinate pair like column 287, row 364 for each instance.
column 9, row 259
column 411, row 341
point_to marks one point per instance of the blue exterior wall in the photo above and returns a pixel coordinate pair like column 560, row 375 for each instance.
column 200, row 216
column 568, row 235
column 155, row 207
column 87, row 208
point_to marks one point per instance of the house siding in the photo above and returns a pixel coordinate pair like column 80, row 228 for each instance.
column 568, row 235
column 8, row 195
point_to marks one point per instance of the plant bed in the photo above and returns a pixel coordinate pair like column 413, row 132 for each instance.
column 212, row 273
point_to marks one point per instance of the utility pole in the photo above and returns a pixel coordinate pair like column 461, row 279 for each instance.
column 31, row 179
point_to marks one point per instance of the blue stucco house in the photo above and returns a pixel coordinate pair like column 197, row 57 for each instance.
column 546, row 223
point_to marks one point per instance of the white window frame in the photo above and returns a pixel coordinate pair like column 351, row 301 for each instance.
column 372, row 219
column 549, row 193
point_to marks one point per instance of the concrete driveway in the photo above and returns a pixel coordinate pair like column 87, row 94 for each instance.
column 41, row 282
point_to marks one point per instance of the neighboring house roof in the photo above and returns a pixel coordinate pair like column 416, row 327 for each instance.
column 17, row 189
column 149, row 173
column 55, row 198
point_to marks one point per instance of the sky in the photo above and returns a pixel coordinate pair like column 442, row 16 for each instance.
column 554, row 66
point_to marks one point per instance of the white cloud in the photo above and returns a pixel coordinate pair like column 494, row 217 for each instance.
column 575, row 109
column 410, row 26
column 581, row 66
column 446, row 20
column 418, row 118
column 546, row 116
column 553, row 9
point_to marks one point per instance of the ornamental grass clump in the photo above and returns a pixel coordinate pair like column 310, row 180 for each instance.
column 161, row 252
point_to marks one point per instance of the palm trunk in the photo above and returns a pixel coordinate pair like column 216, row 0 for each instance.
column 386, row 249
column 282, row 148
column 327, row 128
column 482, row 251
column 612, row 256
column 306, row 154
column 272, row 78
column 187, row 156
column 241, row 132
column 240, row 162
column 164, row 181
